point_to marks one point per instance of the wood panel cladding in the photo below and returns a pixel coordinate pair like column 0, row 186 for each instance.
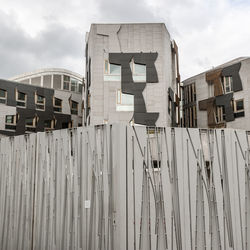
column 214, row 78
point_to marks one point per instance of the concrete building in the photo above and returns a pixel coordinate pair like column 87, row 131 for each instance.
column 219, row 97
column 26, row 108
column 132, row 75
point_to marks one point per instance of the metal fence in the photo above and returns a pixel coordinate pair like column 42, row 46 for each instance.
column 118, row 187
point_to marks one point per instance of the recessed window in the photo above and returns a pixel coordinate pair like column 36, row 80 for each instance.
column 138, row 71
column 227, row 84
column 57, row 105
column 124, row 102
column 10, row 122
column 219, row 114
column 21, row 99
column 3, row 96
column 74, row 85
column 30, row 124
column 74, row 108
column 66, row 81
column 112, row 72
column 40, row 102
column 49, row 124
column 239, row 105
column 67, row 125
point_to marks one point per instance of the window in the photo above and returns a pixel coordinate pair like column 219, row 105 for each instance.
column 10, row 122
column 40, row 102
column 66, row 125
column 138, row 72
column 219, row 114
column 57, row 105
column 112, row 72
column 239, row 106
column 74, row 85
column 30, row 124
column 48, row 125
column 3, row 96
column 66, row 81
column 124, row 102
column 74, row 108
column 21, row 99
column 227, row 84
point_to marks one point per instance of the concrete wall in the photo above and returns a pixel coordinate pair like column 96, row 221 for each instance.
column 117, row 187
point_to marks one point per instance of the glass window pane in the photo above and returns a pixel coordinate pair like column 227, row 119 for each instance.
column 58, row 102
column 2, row 93
column 9, row 119
column 239, row 105
column 29, row 121
column 66, row 85
column 66, row 78
column 127, row 99
column 40, row 99
column 74, row 105
column 139, row 69
column 21, row 96
column 115, row 69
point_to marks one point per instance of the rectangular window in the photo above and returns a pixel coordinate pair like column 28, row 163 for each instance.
column 219, row 114
column 66, row 81
column 124, row 102
column 74, row 108
column 10, row 122
column 48, row 125
column 239, row 105
column 3, row 96
column 74, row 85
column 21, row 99
column 40, row 102
column 138, row 72
column 57, row 105
column 227, row 84
column 30, row 124
column 112, row 72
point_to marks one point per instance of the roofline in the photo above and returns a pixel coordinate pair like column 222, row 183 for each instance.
column 48, row 70
column 228, row 63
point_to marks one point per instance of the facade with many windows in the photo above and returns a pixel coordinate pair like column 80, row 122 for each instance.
column 132, row 75
column 218, row 98
column 27, row 108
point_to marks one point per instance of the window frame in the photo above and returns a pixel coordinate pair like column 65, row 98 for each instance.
column 225, row 84
column 39, row 104
column 235, row 106
column 132, row 65
column 34, row 122
column 21, row 101
column 3, row 99
column 57, row 106
column 73, row 111
column 120, row 103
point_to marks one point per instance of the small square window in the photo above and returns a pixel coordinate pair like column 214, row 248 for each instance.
column 239, row 105
column 3, row 96
column 21, row 99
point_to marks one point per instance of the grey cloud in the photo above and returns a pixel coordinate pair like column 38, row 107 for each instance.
column 55, row 46
column 126, row 11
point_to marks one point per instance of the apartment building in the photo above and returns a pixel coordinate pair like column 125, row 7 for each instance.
column 219, row 97
column 26, row 108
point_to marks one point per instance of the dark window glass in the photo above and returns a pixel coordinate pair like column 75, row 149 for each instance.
column 58, row 102
column 239, row 105
column 40, row 99
column 2, row 93
column 21, row 96
column 48, row 123
column 29, row 121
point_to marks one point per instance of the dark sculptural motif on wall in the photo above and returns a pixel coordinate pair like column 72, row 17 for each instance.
column 128, row 86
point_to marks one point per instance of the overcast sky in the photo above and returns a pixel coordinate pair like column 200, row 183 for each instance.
column 51, row 33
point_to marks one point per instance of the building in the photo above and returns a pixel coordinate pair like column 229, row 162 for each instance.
column 219, row 97
column 50, row 99
column 132, row 75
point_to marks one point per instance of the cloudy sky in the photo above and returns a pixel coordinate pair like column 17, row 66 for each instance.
column 51, row 33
